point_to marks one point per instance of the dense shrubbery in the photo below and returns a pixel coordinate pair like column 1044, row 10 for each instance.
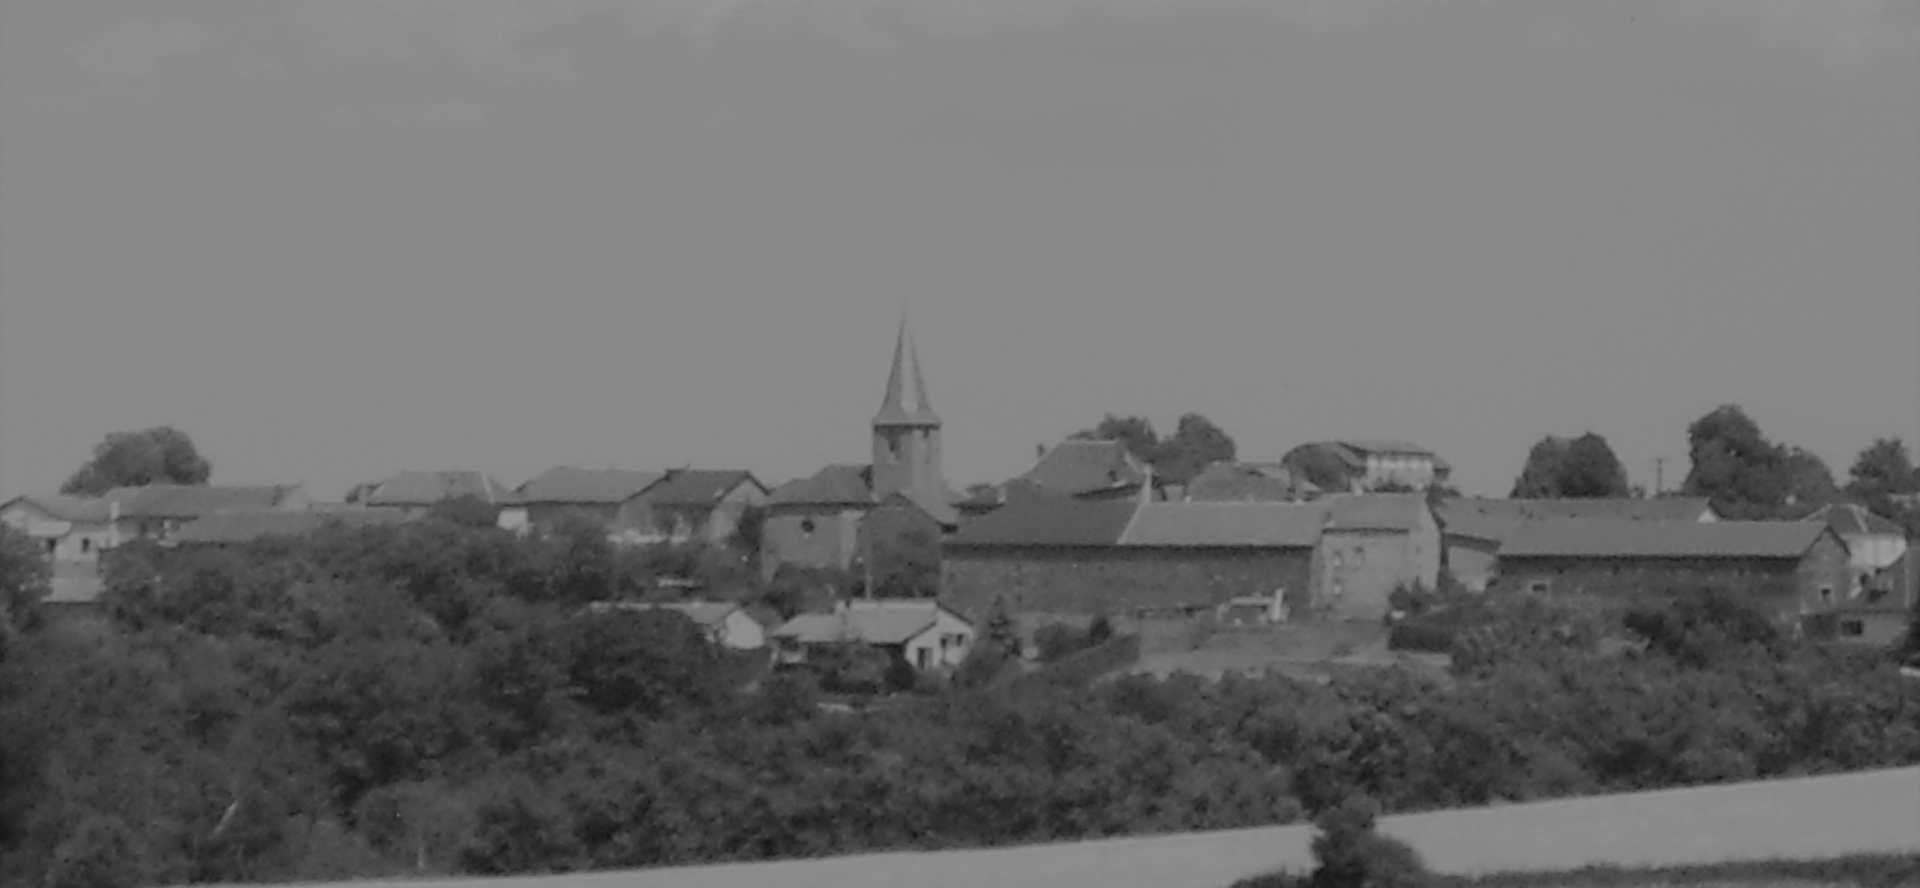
column 429, row 698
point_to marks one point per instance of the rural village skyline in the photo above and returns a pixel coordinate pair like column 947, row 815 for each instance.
column 331, row 242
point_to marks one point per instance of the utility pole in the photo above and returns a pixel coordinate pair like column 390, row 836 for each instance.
column 1659, row 475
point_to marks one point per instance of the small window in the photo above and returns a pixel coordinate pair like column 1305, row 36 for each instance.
column 806, row 525
column 1826, row 594
column 86, row 545
column 1539, row 587
column 1853, row 628
column 51, row 544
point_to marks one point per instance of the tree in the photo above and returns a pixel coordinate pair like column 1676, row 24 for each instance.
column 1196, row 444
column 1807, row 479
column 1578, row 468
column 1319, row 465
column 159, row 455
column 1881, row 473
column 1733, row 465
column 24, row 575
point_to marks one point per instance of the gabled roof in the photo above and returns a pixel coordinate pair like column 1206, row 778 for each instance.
column 194, row 500
column 1246, row 482
column 905, row 402
column 1853, row 519
column 428, row 488
column 1604, row 538
column 246, row 526
column 1496, row 519
column 74, row 509
column 1034, row 517
column 831, row 486
column 872, row 622
column 1376, row 511
column 1267, row 525
column 569, row 485
column 1383, row 447
column 937, row 506
column 698, row 487
column 1077, row 467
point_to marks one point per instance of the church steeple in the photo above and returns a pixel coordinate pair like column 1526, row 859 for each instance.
column 906, row 401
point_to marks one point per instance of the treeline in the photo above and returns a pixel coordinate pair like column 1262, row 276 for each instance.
column 430, row 698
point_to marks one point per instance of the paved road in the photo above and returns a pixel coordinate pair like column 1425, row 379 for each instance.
column 1874, row 811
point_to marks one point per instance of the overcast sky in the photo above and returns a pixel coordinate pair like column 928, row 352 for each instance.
column 331, row 240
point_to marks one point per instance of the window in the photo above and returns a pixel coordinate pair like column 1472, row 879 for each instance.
column 1539, row 587
column 1826, row 594
column 1853, row 628
column 86, row 545
column 806, row 526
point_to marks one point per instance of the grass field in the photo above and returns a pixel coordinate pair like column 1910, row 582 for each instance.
column 1875, row 812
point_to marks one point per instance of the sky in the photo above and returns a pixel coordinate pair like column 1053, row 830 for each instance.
column 335, row 240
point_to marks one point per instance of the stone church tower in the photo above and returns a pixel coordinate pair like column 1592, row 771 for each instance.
column 906, row 432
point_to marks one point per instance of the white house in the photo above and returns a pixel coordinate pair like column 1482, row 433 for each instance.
column 919, row 631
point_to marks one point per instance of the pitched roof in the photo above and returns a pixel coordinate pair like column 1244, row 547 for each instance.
column 1376, row 511
column 1613, row 538
column 1855, row 519
column 195, row 500
column 1384, row 446
column 1496, row 519
column 940, row 507
column 428, row 488
column 74, row 509
column 566, row 484
column 1034, row 517
column 905, row 402
column 246, row 526
column 1226, row 524
column 833, row 485
column 873, row 622
column 698, row 487
column 1246, row 482
column 1085, row 466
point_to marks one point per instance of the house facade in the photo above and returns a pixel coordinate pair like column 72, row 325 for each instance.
column 696, row 505
column 417, row 492
column 1791, row 568
column 815, row 522
column 609, row 496
column 69, row 530
column 1370, row 546
column 1873, row 542
column 920, row 632
column 1360, row 466
column 1472, row 528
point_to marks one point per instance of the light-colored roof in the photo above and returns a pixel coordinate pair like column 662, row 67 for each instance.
column 1853, row 519
column 1385, row 446
column 873, row 622
column 1376, row 511
column 245, row 526
column 429, row 488
column 195, row 500
column 75, row 509
column 1496, row 519
column 1078, row 466
column 1604, row 538
column 569, row 485
column 1258, row 524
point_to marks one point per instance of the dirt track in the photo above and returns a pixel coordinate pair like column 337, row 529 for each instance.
column 1875, row 811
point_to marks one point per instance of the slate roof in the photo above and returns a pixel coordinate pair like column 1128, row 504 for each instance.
column 1227, row 524
column 1246, row 482
column 1496, row 519
column 831, row 486
column 74, row 509
column 1376, row 511
column 1034, row 517
column 1079, row 467
column 698, row 487
column 1604, row 538
column 905, row 402
column 1855, row 519
column 246, row 526
column 569, row 485
column 429, row 488
column 873, row 622
column 195, row 500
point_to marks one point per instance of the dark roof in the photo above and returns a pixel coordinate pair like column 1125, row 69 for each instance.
column 430, row 488
column 565, row 484
column 1376, row 511
column 1282, row 525
column 937, row 506
column 1384, row 447
column 833, row 485
column 73, row 509
column 1496, row 519
column 1604, row 538
column 195, row 500
column 1246, row 482
column 698, row 487
column 905, row 402
column 1080, row 466
column 1855, row 519
column 241, row 527
column 1037, row 518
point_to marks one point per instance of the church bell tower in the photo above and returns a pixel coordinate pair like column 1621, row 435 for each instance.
column 906, row 431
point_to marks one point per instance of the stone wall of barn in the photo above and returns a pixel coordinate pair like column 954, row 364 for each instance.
column 1787, row 586
column 1120, row 580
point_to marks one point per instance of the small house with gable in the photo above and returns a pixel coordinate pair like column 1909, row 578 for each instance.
column 920, row 632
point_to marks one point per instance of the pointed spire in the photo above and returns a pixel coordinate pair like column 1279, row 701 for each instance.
column 906, row 400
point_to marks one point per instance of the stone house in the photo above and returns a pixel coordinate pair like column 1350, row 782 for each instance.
column 815, row 522
column 920, row 632
column 1368, row 465
column 610, row 496
column 1370, row 546
column 1090, row 470
column 704, row 505
column 1792, row 568
column 416, row 492
column 1473, row 528
column 1873, row 542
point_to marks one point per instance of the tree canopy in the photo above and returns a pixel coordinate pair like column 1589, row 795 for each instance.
column 1195, row 444
column 159, row 455
column 1578, row 468
column 1747, row 476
